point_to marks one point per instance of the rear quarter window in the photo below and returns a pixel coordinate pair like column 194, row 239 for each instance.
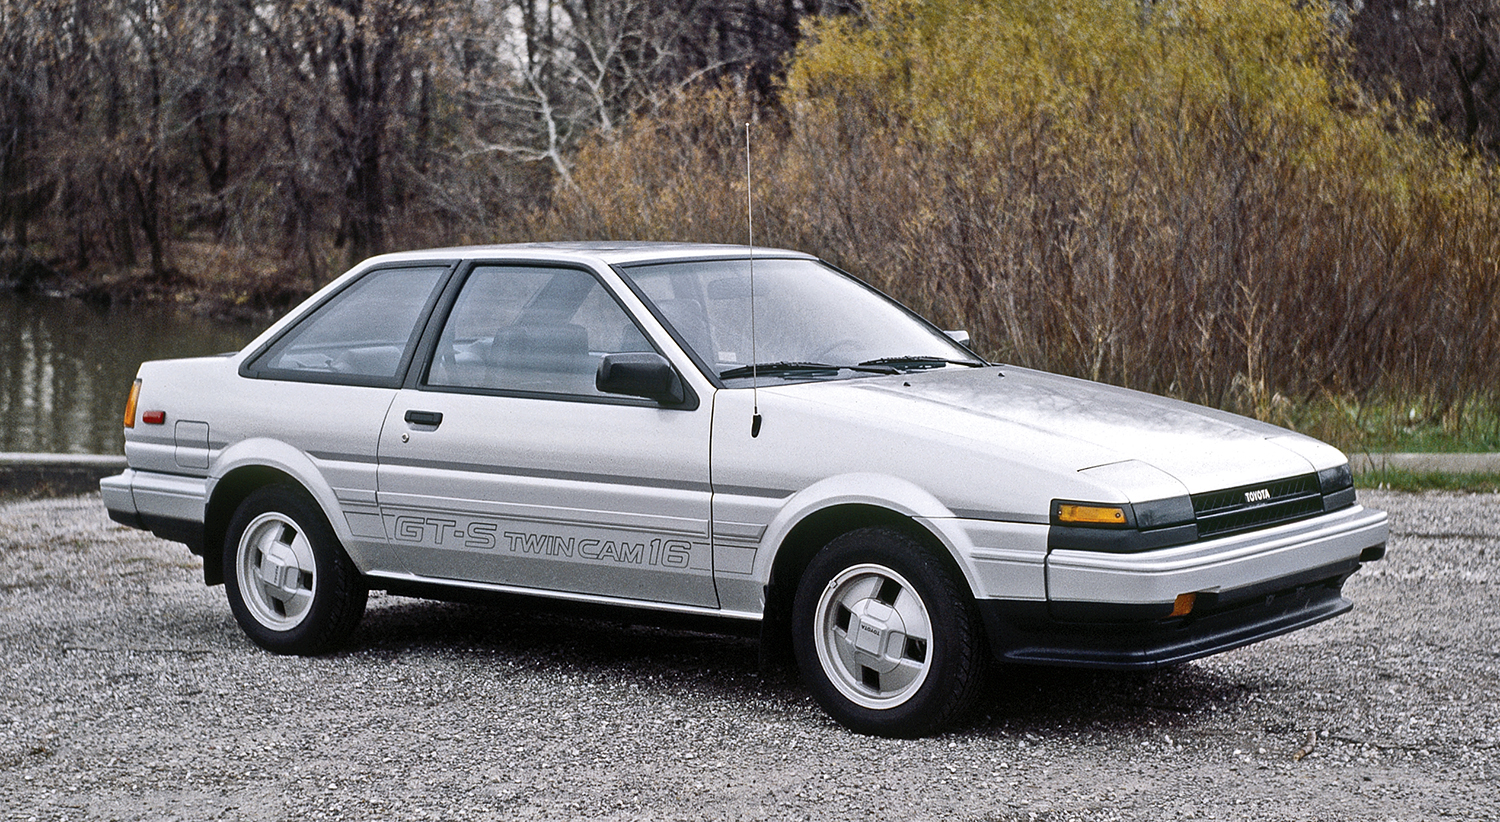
column 362, row 335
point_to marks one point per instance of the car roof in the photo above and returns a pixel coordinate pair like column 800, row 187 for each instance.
column 610, row 252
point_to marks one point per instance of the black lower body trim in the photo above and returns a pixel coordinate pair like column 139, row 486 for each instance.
column 128, row 518
column 623, row 614
column 185, row 531
column 1028, row 633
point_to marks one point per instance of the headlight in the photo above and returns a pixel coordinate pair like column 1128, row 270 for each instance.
column 1337, row 485
column 1335, row 479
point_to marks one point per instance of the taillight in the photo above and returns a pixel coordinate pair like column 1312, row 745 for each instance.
column 135, row 394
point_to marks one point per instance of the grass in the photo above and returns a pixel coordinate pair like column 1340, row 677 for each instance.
column 1396, row 479
column 1390, row 426
column 1396, row 426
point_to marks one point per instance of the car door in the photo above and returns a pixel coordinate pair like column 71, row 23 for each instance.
column 501, row 462
column 324, row 386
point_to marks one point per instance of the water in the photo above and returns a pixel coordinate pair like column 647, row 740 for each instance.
column 66, row 367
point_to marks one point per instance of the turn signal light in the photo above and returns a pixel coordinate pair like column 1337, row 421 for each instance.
column 130, row 401
column 1072, row 514
column 1184, row 604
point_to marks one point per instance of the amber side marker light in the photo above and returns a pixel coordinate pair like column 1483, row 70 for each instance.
column 130, row 401
column 1183, row 604
column 1070, row 514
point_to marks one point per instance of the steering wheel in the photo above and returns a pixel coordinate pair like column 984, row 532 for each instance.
column 825, row 353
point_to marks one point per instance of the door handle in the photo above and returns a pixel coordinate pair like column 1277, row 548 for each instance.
column 432, row 418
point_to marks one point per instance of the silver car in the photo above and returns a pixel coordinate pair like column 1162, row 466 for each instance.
column 754, row 438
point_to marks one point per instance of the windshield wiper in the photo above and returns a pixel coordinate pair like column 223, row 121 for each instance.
column 920, row 362
column 776, row 369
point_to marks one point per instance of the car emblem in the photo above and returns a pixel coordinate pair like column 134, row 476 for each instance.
column 1258, row 495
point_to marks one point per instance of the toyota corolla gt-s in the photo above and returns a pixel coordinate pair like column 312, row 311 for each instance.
column 755, row 437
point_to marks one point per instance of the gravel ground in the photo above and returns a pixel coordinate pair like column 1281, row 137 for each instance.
column 129, row 693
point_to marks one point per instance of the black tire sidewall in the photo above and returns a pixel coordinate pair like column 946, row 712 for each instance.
column 338, row 591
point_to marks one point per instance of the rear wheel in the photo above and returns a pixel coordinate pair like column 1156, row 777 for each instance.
column 291, row 587
column 885, row 637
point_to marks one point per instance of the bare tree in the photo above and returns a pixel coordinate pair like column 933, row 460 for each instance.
column 23, row 192
column 154, row 134
column 332, row 77
column 542, row 76
column 1442, row 52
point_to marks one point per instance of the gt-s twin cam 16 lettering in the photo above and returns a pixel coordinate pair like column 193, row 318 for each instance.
column 484, row 535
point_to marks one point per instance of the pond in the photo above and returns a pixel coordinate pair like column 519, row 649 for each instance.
column 65, row 367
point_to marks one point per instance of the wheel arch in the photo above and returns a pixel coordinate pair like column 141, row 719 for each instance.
column 254, row 463
column 811, row 533
column 228, row 493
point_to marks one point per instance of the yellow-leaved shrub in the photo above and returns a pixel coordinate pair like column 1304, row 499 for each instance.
column 1185, row 196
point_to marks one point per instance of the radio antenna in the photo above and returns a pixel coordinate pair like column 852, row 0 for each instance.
column 754, row 358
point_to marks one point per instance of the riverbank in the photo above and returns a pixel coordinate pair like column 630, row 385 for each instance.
column 209, row 280
column 54, row 475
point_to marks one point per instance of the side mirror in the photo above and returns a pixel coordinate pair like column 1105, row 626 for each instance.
column 960, row 337
column 646, row 375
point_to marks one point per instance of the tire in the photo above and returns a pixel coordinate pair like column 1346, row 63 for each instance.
column 291, row 587
column 886, row 638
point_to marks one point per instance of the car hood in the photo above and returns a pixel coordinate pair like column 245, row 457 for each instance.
column 1118, row 436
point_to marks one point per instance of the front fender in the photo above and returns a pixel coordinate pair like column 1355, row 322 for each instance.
column 880, row 491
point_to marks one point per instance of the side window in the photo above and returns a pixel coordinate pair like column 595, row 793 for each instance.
column 530, row 329
column 361, row 335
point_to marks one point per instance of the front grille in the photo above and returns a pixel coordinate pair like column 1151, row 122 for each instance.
column 1257, row 506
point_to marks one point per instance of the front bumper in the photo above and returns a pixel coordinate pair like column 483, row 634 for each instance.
column 1026, row 632
column 1114, row 610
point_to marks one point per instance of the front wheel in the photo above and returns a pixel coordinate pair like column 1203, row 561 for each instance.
column 291, row 587
column 885, row 637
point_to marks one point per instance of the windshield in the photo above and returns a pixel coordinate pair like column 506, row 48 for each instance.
column 811, row 322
